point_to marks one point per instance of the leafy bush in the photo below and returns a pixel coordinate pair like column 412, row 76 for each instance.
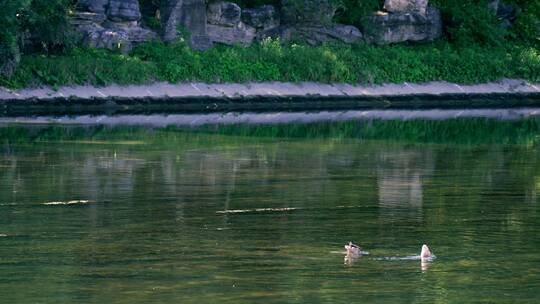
column 527, row 26
column 34, row 25
column 10, row 34
column 471, row 22
column 48, row 25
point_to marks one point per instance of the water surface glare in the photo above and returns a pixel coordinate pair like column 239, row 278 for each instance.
column 183, row 217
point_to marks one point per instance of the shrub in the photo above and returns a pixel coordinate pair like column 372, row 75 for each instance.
column 471, row 22
column 10, row 34
column 527, row 26
column 32, row 25
column 48, row 25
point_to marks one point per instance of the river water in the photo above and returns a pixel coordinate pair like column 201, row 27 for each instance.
column 113, row 214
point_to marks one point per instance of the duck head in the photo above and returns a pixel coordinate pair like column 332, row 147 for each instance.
column 426, row 253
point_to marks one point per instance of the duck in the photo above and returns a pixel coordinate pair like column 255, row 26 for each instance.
column 426, row 254
column 353, row 249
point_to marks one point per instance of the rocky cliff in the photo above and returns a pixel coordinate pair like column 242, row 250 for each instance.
column 117, row 23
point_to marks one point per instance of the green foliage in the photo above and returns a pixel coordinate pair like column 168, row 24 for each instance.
column 352, row 11
column 471, row 22
column 81, row 66
column 272, row 61
column 9, row 33
column 41, row 24
column 527, row 26
column 48, row 24
column 527, row 63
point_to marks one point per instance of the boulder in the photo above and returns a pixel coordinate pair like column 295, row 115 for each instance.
column 312, row 12
column 87, row 18
column 170, row 11
column 123, row 10
column 94, row 6
column 189, row 15
column 122, row 38
column 241, row 34
column 223, row 13
column 307, row 21
column 262, row 18
column 395, row 28
column 344, row 33
column 100, row 37
column 225, row 25
column 111, row 24
column 406, row 6
column 193, row 19
column 315, row 35
column 506, row 12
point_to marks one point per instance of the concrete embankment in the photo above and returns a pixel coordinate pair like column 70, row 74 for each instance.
column 164, row 97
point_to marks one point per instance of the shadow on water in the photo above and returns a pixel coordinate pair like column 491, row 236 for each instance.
column 253, row 213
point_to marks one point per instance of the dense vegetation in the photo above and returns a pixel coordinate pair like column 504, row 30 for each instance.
column 37, row 47
column 270, row 61
column 33, row 26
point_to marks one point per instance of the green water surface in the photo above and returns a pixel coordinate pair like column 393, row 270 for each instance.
column 261, row 214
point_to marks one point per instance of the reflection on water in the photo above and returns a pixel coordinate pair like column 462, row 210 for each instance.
column 400, row 176
column 204, row 218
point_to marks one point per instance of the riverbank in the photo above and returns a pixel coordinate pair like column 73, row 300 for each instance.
column 163, row 97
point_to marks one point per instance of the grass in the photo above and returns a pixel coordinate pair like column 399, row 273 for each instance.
column 273, row 61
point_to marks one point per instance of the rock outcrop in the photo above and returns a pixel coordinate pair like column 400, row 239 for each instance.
column 193, row 19
column 225, row 25
column 111, row 24
column 262, row 18
column 170, row 11
column 406, row 6
column 123, row 10
column 115, row 24
column 311, row 21
column 405, row 22
column 189, row 15
column 223, row 13
column 315, row 35
column 95, row 6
